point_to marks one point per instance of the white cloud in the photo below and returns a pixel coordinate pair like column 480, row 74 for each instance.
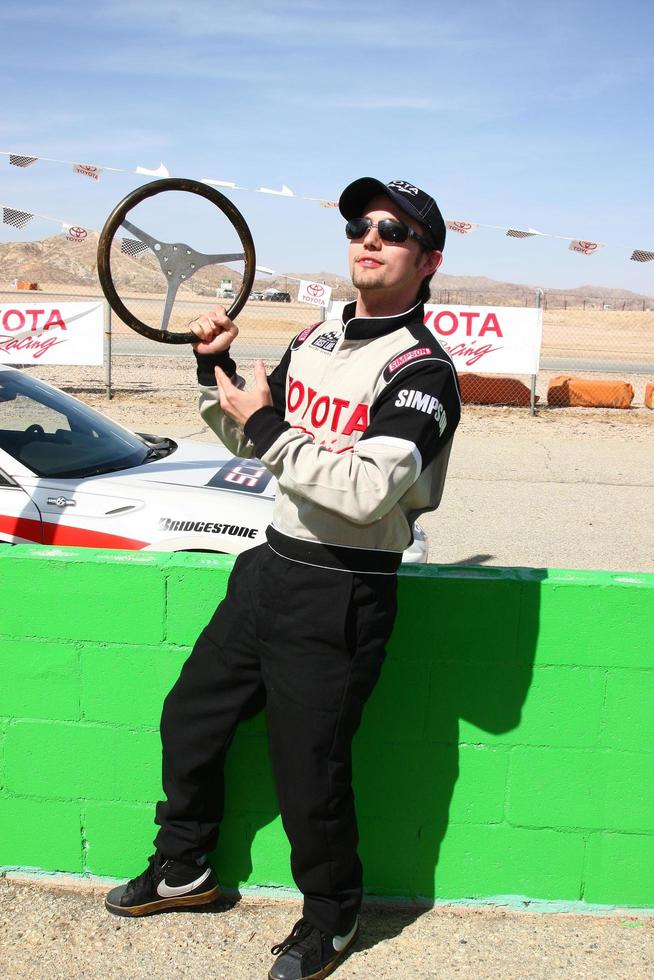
column 289, row 23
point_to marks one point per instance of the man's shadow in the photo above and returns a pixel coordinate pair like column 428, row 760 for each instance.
column 457, row 674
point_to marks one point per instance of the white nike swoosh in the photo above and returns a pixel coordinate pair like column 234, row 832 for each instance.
column 340, row 942
column 171, row 891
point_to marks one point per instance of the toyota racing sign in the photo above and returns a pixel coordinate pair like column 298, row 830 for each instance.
column 45, row 333
column 486, row 339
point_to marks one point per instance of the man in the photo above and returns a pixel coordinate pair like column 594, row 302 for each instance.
column 356, row 423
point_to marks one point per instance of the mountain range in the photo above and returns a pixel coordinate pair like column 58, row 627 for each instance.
column 55, row 262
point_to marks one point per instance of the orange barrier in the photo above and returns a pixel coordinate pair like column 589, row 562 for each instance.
column 566, row 391
column 487, row 390
column 649, row 395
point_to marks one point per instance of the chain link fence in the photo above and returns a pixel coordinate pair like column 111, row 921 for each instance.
column 593, row 354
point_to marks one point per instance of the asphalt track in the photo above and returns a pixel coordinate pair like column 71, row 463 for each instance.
column 136, row 345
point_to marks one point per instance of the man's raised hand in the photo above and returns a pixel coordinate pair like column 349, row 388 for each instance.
column 214, row 330
column 240, row 405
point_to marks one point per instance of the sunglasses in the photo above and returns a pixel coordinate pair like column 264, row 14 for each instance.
column 389, row 230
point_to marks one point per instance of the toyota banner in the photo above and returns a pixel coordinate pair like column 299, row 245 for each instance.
column 484, row 339
column 48, row 333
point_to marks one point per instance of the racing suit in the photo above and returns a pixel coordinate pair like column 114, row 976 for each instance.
column 358, row 436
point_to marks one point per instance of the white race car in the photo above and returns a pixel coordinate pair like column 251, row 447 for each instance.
column 70, row 476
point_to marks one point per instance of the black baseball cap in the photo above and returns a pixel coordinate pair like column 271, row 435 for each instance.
column 414, row 202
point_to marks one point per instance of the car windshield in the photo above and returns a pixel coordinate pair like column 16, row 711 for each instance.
column 55, row 435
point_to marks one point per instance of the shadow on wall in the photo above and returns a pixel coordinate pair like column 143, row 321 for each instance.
column 456, row 680
column 457, row 674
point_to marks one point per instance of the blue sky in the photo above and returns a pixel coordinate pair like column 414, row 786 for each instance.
column 510, row 113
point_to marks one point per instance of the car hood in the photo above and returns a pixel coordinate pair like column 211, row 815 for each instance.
column 200, row 465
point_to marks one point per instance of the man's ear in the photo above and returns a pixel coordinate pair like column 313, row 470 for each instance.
column 432, row 262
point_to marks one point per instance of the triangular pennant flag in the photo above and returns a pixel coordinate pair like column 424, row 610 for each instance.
column 132, row 246
column 640, row 255
column 16, row 218
column 516, row 233
column 218, row 183
column 285, row 191
column 87, row 170
column 161, row 171
column 74, row 233
column 463, row 227
column 17, row 161
column 584, row 248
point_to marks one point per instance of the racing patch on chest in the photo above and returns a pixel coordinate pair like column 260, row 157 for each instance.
column 326, row 341
column 407, row 357
column 301, row 337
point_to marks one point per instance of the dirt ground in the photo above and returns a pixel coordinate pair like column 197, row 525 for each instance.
column 47, row 931
column 567, row 488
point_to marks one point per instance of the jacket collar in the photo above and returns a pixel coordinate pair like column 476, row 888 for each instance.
column 366, row 327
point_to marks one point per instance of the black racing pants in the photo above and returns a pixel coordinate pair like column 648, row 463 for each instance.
column 309, row 644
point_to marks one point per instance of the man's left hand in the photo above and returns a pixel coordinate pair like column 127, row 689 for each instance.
column 240, row 405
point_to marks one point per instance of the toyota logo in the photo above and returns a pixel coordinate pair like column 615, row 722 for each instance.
column 588, row 246
column 315, row 289
column 77, row 233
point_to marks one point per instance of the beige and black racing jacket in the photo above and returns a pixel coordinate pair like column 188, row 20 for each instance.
column 358, row 436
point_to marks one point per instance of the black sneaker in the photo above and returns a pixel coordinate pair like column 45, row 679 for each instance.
column 165, row 884
column 308, row 953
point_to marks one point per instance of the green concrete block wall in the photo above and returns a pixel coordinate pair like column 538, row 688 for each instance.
column 507, row 750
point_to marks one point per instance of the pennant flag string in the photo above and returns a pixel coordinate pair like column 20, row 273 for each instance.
column 94, row 172
column 19, row 219
column 35, row 214
column 75, row 234
column 85, row 169
column 133, row 247
column 69, row 163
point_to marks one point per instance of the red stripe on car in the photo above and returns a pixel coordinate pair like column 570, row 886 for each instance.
column 62, row 534
column 21, row 527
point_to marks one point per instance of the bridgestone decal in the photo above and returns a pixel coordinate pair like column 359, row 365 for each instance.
column 206, row 527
